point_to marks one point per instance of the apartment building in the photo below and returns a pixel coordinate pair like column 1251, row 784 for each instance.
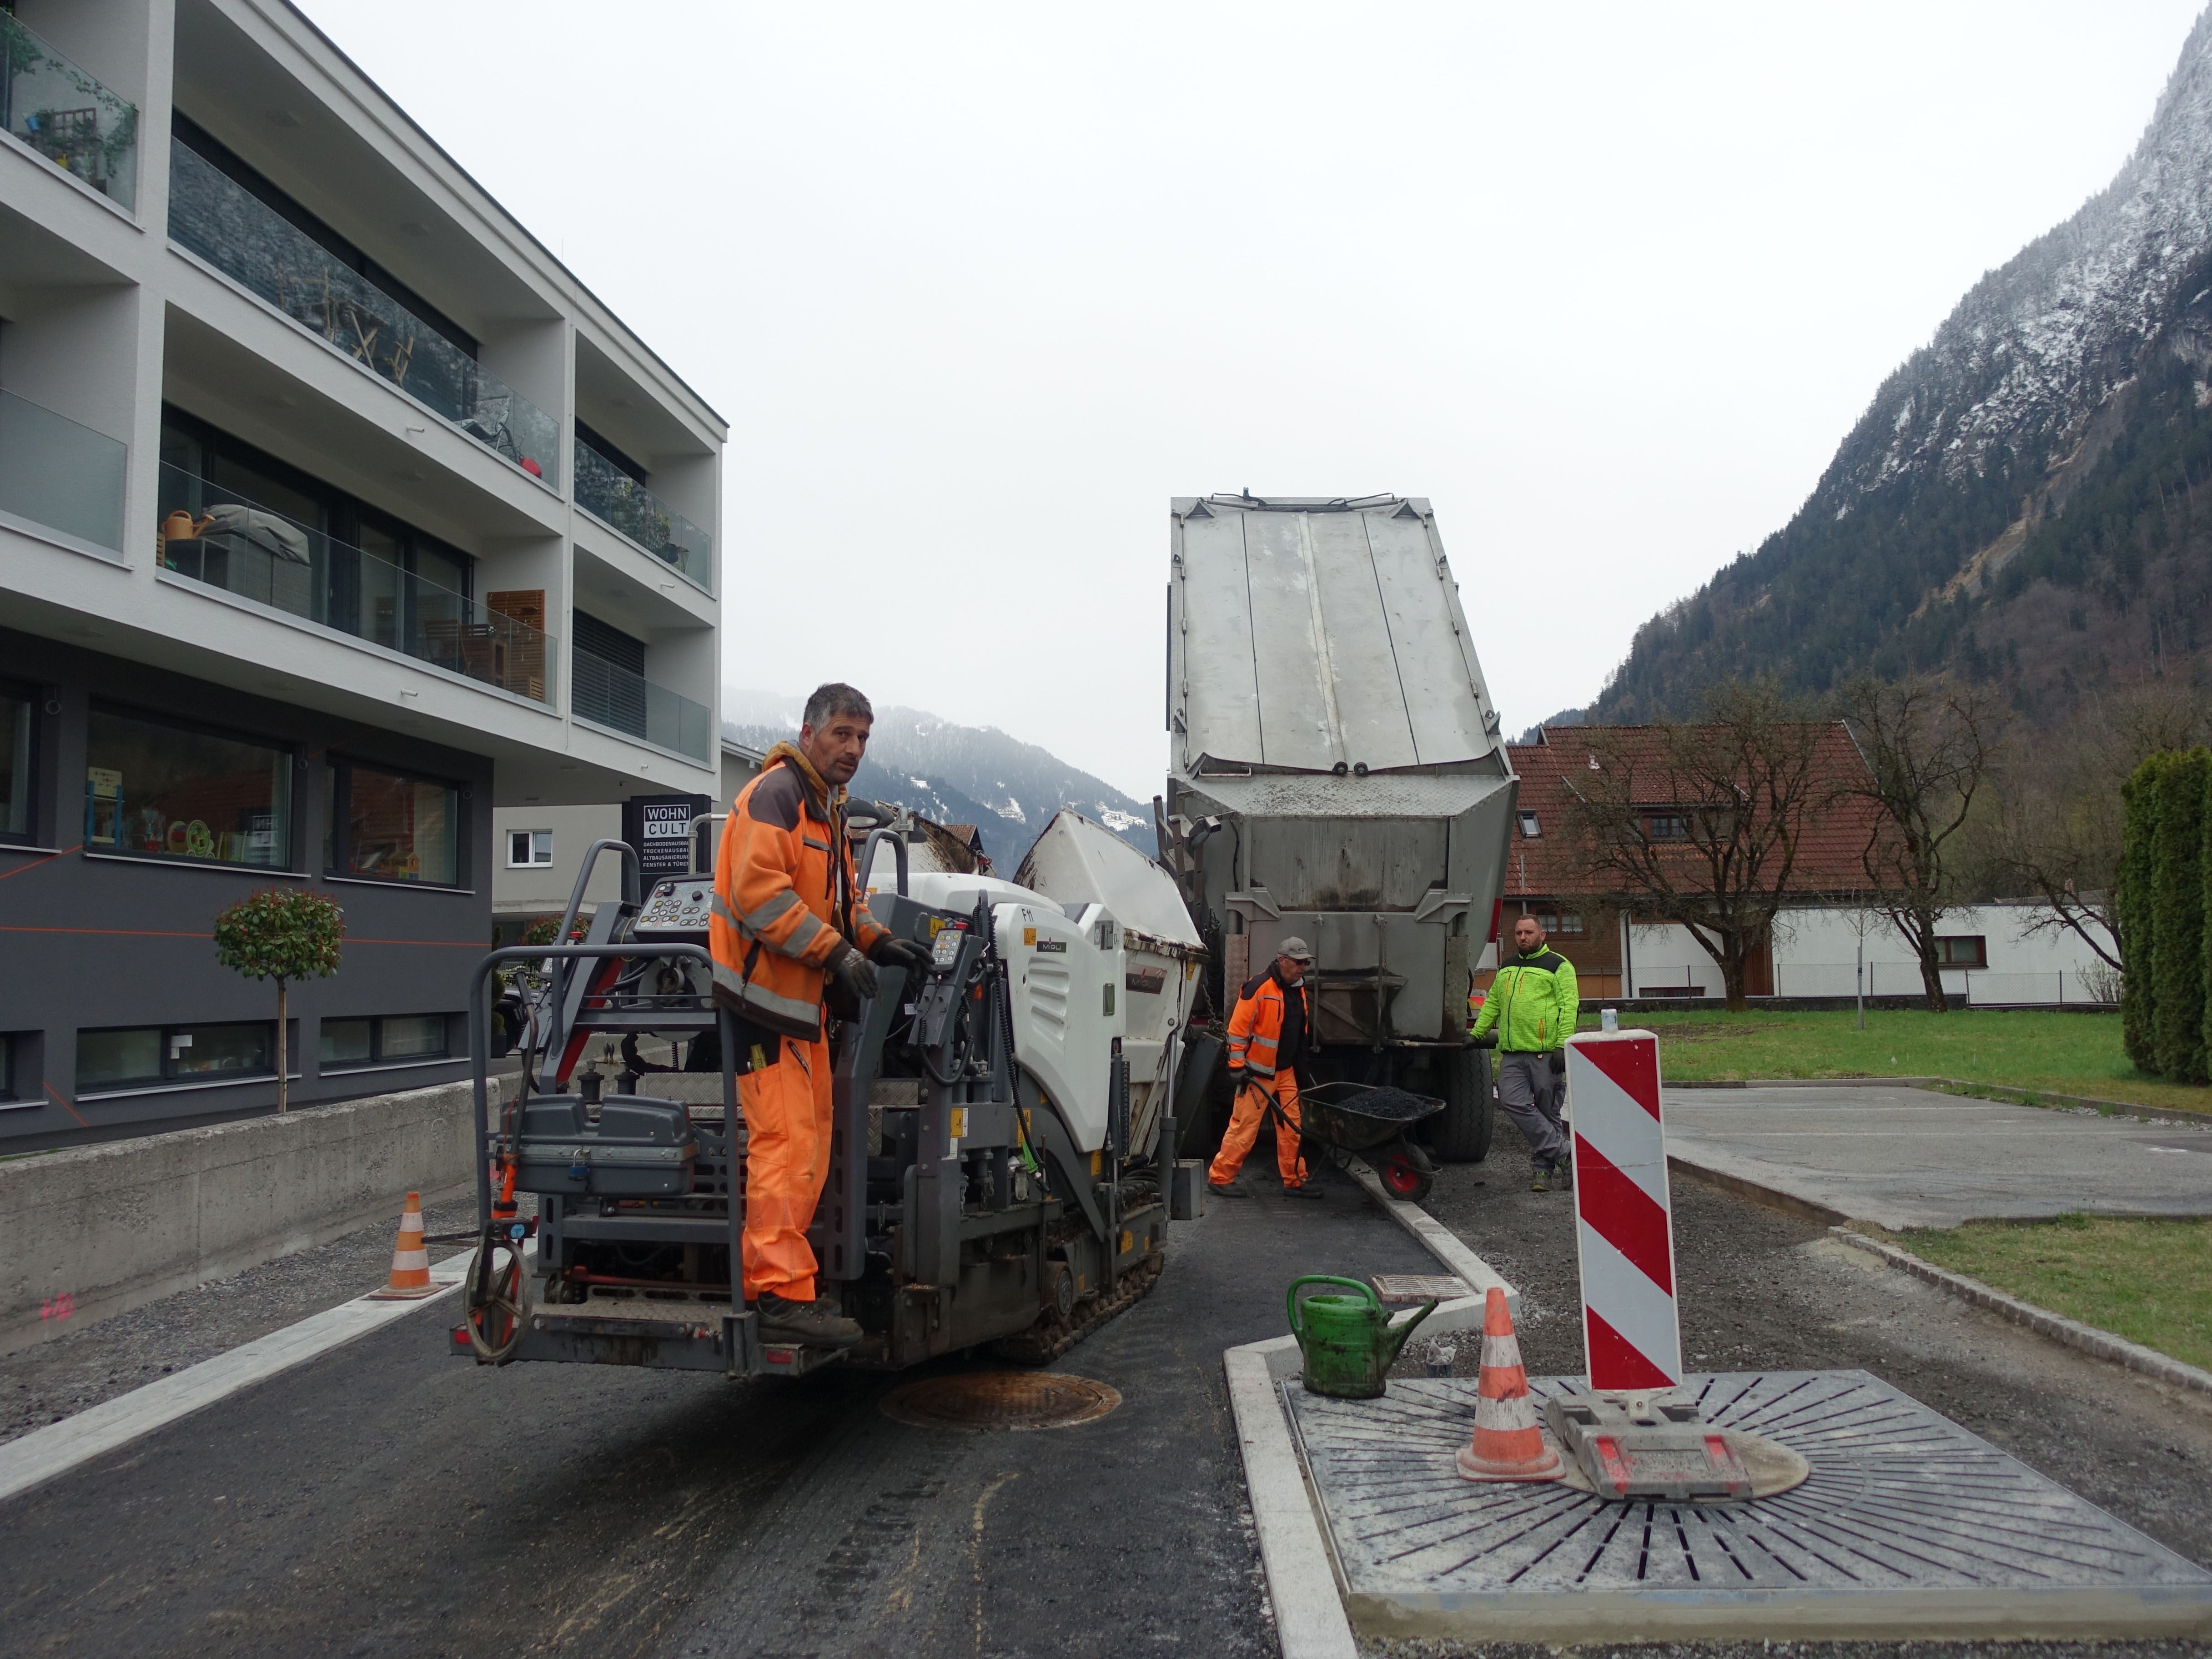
column 335, row 515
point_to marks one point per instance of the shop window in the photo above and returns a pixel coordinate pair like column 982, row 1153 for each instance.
column 148, row 1056
column 528, row 849
column 1963, row 951
column 383, row 1040
column 7, row 1067
column 176, row 791
column 389, row 826
column 15, row 708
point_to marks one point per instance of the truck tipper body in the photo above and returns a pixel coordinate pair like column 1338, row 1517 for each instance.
column 1337, row 773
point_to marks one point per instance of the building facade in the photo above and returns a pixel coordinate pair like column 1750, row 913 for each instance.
column 335, row 515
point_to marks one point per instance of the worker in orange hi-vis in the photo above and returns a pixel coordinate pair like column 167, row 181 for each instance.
column 1268, row 1035
column 788, row 918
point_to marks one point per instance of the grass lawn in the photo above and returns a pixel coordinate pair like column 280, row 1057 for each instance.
column 2150, row 1282
column 2064, row 1054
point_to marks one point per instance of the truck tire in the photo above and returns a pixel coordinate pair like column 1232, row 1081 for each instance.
column 1462, row 1133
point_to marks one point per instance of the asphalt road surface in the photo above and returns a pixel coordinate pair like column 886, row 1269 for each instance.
column 385, row 1499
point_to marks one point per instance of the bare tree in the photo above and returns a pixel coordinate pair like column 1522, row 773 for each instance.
column 2055, row 835
column 1700, row 823
column 1928, row 750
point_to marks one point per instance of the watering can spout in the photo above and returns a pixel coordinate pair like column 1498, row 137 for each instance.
column 1393, row 1336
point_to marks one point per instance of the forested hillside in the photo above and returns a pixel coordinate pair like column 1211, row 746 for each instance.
column 2024, row 502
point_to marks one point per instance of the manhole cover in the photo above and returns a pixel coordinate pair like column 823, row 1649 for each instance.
column 1000, row 1400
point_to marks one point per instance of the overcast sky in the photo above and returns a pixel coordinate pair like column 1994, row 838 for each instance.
column 979, row 289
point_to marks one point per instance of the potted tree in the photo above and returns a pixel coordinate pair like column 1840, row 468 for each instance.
column 282, row 934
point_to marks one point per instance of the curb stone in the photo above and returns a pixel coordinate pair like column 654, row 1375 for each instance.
column 2071, row 1332
column 2003, row 1093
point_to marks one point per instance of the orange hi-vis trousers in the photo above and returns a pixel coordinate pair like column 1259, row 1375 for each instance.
column 1245, row 1128
column 786, row 1108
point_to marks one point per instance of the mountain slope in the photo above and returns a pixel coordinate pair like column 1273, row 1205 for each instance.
column 2020, row 502
column 959, row 775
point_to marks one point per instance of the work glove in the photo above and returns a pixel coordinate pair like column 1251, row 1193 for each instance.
column 1488, row 1039
column 855, row 972
column 892, row 952
column 1558, row 1058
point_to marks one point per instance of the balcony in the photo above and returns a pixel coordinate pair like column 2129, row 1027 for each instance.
column 57, row 475
column 627, row 507
column 213, row 217
column 220, row 537
column 609, row 695
column 66, row 116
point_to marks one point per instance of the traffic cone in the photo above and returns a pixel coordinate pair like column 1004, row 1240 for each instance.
column 410, row 1260
column 1508, row 1443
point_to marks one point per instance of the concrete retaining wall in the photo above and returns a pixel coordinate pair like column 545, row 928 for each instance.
column 93, row 1231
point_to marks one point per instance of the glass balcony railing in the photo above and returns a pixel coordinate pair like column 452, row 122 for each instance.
column 612, row 696
column 218, row 537
column 56, row 473
column 241, row 236
column 66, row 116
column 610, row 493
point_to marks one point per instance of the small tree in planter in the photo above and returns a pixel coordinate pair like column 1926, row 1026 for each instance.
column 282, row 934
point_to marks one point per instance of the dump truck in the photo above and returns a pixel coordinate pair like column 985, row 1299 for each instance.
column 1336, row 772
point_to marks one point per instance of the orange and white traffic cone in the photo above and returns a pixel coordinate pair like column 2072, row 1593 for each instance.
column 410, row 1259
column 1508, row 1443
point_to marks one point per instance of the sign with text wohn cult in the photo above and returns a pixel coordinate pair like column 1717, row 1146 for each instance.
column 1624, row 1214
column 658, row 826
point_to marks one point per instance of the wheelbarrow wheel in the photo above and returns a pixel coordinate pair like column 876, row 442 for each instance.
column 1403, row 1177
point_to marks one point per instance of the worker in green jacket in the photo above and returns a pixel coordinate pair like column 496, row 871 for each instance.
column 1527, row 1017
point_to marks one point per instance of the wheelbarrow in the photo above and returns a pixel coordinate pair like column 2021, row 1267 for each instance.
column 1365, row 1120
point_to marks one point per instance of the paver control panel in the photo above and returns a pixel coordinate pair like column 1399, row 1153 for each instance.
column 678, row 904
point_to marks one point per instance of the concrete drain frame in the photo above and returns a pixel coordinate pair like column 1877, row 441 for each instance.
column 1909, row 1527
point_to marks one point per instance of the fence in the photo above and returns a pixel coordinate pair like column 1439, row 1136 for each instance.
column 2056, row 988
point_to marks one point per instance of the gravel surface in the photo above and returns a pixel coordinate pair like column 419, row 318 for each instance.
column 1760, row 1290
column 80, row 1368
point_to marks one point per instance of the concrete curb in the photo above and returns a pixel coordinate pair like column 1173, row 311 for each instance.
column 2059, row 1328
column 1304, row 1585
column 2003, row 1093
column 1438, row 1239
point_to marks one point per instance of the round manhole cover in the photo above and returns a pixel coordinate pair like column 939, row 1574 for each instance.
column 1000, row 1400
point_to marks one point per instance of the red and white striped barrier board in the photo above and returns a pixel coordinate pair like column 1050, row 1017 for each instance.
column 1624, row 1217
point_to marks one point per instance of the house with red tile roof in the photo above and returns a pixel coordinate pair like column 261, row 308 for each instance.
column 1548, row 871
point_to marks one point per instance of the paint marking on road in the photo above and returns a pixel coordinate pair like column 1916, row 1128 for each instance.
column 33, row 1459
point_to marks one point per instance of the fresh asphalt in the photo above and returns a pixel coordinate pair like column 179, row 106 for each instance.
column 387, row 1500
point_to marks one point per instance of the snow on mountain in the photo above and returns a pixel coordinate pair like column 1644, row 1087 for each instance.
column 957, row 773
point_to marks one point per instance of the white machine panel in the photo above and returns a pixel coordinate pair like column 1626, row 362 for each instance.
column 1069, row 1005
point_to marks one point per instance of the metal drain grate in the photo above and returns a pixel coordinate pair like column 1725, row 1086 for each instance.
column 1000, row 1400
column 1905, row 1509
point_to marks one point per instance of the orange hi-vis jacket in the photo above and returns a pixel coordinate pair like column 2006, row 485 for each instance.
column 1255, row 1025
column 785, row 897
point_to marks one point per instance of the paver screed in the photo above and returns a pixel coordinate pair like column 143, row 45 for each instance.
column 1910, row 1526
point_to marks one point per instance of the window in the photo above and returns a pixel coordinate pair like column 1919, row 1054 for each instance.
column 7, row 1066
column 526, row 848
column 391, row 827
column 176, row 791
column 1666, row 826
column 1570, row 921
column 1963, row 951
column 146, row 1056
column 387, row 1039
column 1530, row 827
column 15, row 763
column 1563, row 921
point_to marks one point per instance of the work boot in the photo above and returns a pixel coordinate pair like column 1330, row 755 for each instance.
column 1563, row 1176
column 1537, row 1182
column 1233, row 1188
column 807, row 1323
column 1303, row 1190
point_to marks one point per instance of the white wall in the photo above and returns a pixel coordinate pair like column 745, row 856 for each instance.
column 546, row 889
column 1816, row 953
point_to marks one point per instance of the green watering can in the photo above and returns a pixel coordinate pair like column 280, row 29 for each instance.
column 1347, row 1341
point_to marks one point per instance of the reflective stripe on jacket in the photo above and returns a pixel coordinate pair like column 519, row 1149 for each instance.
column 783, row 886
column 1255, row 1025
column 1533, row 1002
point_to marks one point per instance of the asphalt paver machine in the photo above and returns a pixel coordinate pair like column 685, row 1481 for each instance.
column 982, row 1185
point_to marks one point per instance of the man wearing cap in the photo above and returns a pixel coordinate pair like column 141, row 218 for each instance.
column 1266, row 1039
